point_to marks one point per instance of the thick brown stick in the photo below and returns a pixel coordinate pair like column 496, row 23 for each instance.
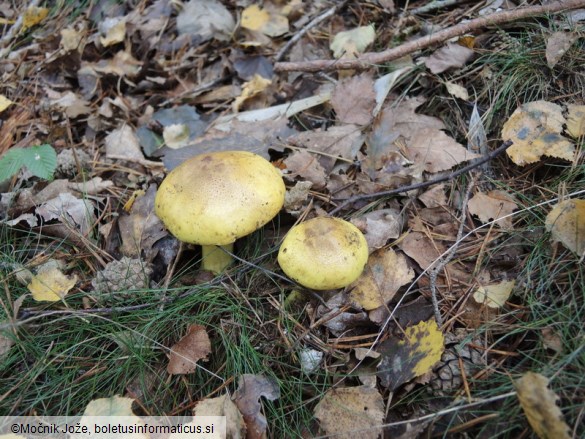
column 372, row 58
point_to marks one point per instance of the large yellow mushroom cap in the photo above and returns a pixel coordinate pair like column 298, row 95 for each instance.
column 216, row 198
column 324, row 253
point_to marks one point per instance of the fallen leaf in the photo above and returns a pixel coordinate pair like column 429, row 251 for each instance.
column 71, row 211
column 51, row 285
column 33, row 16
column 350, row 412
column 122, row 64
column 206, row 19
column 540, row 408
column 576, row 120
column 4, row 103
column 306, row 165
column 113, row 31
column 223, row 406
column 379, row 226
column 384, row 274
column 495, row 295
column 123, row 144
column 71, row 40
column 354, row 99
column 435, row 151
column 69, row 102
column 251, row 88
column 493, row 205
column 296, row 196
column 247, row 398
column 457, row 90
column 269, row 20
column 535, row 129
column 420, row 248
column 434, row 197
column 557, row 45
column 189, row 350
column 448, row 57
column 410, row 357
column 566, row 223
column 551, row 339
column 352, row 42
column 6, row 339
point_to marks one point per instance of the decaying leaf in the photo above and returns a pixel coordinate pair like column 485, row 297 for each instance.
column 123, row 144
column 495, row 295
column 352, row 42
column 576, row 120
column 420, row 248
column 306, row 165
column 206, row 19
column 557, row 45
column 189, row 350
column 350, row 412
column 354, row 99
column 69, row 102
column 4, row 103
column 269, row 20
column 410, row 357
column 448, row 57
column 50, row 284
column 566, row 223
column 223, row 406
column 113, row 31
column 337, row 320
column 33, row 16
column 72, row 212
column 296, row 196
column 379, row 226
column 71, row 39
column 493, row 205
column 457, row 90
column 535, row 128
column 434, row 197
column 385, row 272
column 252, row 88
column 540, row 408
column 247, row 398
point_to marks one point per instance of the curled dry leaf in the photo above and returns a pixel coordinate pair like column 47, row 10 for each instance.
column 535, row 128
column 247, row 398
column 410, row 357
column 494, row 295
column 189, row 350
column 306, row 165
column 354, row 99
column 349, row 412
column 385, row 272
column 493, row 205
column 540, row 408
column 223, row 406
column 296, row 196
column 566, row 223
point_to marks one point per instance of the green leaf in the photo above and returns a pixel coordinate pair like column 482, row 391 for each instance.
column 11, row 163
column 41, row 161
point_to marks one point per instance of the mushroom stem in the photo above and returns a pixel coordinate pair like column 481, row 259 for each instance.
column 214, row 259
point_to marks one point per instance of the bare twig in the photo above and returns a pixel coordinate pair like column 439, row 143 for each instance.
column 435, row 5
column 310, row 25
column 373, row 58
column 424, row 184
column 441, row 262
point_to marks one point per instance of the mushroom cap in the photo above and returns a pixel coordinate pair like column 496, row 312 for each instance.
column 324, row 253
column 218, row 197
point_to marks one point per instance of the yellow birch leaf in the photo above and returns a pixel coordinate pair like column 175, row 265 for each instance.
column 33, row 16
column 253, row 18
column 576, row 120
column 495, row 295
column 566, row 223
column 414, row 355
column 540, row 408
column 51, row 285
column 4, row 103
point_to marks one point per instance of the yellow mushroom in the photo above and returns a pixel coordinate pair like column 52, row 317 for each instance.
column 323, row 253
column 215, row 198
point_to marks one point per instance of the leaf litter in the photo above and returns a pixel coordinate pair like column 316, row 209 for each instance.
column 130, row 87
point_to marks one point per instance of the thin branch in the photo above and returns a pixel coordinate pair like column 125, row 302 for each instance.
column 310, row 25
column 496, row 152
column 367, row 60
column 435, row 5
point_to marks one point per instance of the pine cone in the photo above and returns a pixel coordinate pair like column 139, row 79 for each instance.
column 123, row 275
column 447, row 374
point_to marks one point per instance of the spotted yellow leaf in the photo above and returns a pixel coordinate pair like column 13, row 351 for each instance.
column 412, row 355
column 566, row 223
column 540, row 408
column 51, row 285
column 535, row 128
column 495, row 295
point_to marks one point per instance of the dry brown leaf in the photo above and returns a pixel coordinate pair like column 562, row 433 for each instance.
column 557, row 45
column 448, row 57
column 297, row 196
column 338, row 321
column 123, row 144
column 69, row 102
column 379, row 226
column 420, row 248
column 354, row 99
column 247, row 398
column 384, row 274
column 576, row 120
column 493, row 205
column 434, row 197
column 540, row 408
column 194, row 346
column 70, row 211
column 123, row 64
column 535, row 129
column 566, row 222
column 206, row 19
column 494, row 295
column 223, row 406
column 306, row 165
column 350, row 412
column 436, row 151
